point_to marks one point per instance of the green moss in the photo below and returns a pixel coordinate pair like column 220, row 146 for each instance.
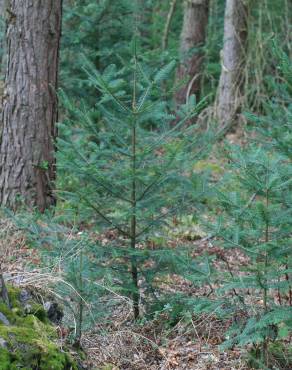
column 31, row 346
column 5, row 359
column 14, row 294
column 7, row 312
column 30, row 339
column 18, row 318
column 39, row 311
column 53, row 359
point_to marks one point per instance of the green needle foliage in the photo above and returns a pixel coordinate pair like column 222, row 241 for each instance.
column 74, row 265
column 254, row 225
column 134, row 165
column 255, row 222
column 97, row 29
column 275, row 125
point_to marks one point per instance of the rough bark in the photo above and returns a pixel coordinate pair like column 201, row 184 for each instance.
column 2, row 11
column 27, row 164
column 191, row 41
column 232, row 61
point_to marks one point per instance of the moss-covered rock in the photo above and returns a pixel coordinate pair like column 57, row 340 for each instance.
column 29, row 342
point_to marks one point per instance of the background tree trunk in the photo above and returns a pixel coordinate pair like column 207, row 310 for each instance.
column 27, row 164
column 192, row 39
column 232, row 60
column 2, row 12
column 2, row 8
column 165, row 35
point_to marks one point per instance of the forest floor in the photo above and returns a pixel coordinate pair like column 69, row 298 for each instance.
column 190, row 344
column 120, row 343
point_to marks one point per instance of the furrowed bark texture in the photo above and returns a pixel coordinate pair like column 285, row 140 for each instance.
column 1, row 55
column 192, row 39
column 232, row 60
column 27, row 164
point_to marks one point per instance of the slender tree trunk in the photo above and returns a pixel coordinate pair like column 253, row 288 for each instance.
column 232, row 60
column 2, row 10
column 27, row 164
column 192, row 39
column 164, row 43
column 133, row 221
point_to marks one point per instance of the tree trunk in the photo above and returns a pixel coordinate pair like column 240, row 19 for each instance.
column 165, row 36
column 2, row 11
column 232, row 59
column 2, row 8
column 192, row 39
column 27, row 163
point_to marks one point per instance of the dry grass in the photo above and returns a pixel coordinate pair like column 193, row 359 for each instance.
column 128, row 346
column 14, row 252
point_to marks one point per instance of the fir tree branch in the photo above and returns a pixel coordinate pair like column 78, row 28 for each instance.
column 109, row 221
column 161, row 217
column 106, row 187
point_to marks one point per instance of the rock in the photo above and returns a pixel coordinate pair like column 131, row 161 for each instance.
column 27, row 309
column 28, row 340
column 3, row 343
column 24, row 296
column 54, row 312
column 4, row 320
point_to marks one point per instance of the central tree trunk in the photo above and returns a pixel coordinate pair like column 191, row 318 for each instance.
column 192, row 39
column 27, row 163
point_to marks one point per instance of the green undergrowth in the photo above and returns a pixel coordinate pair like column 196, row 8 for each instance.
column 279, row 356
column 29, row 342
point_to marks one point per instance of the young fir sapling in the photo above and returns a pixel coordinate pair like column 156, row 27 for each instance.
column 134, row 166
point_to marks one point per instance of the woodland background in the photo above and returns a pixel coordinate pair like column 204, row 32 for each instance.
column 146, row 184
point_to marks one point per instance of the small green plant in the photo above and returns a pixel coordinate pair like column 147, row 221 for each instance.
column 134, row 166
column 2, row 32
